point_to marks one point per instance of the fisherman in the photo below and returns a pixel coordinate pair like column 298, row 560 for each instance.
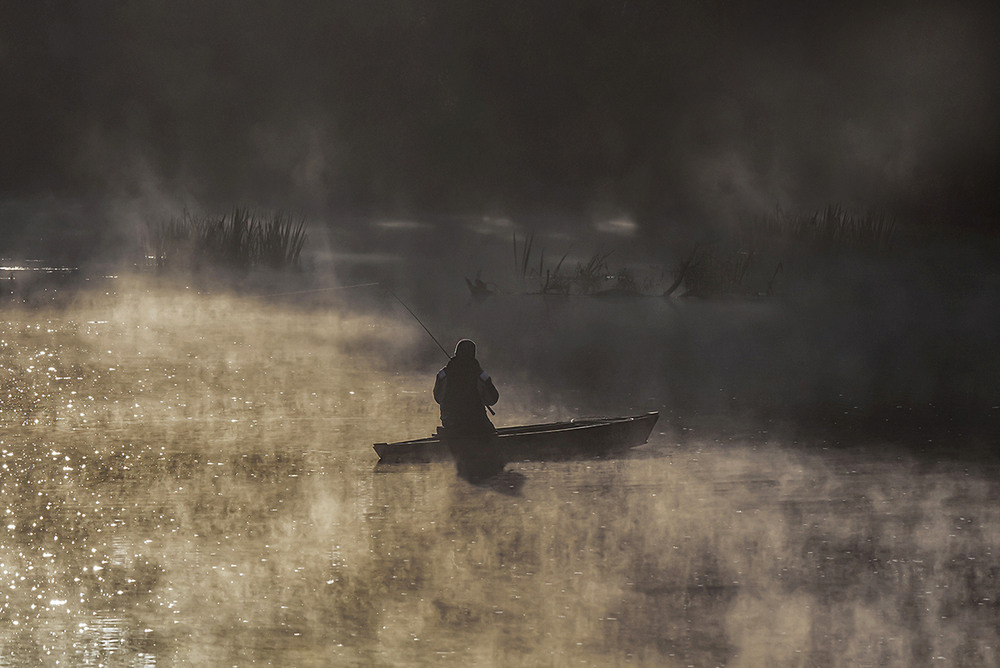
column 464, row 390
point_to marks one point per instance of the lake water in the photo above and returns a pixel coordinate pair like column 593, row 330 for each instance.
column 188, row 479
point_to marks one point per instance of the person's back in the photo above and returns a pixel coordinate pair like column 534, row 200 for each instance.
column 464, row 390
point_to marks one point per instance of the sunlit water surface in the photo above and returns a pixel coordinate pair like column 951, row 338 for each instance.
column 189, row 480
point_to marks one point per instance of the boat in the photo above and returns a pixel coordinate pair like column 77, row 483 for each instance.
column 551, row 440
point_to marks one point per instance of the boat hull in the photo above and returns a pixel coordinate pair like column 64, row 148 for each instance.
column 583, row 437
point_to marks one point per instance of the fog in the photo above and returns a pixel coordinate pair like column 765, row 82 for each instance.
column 677, row 115
column 188, row 479
column 187, row 471
column 860, row 332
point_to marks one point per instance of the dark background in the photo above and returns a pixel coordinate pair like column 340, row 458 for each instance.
column 673, row 114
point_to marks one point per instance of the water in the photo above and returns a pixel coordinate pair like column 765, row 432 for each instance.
column 188, row 479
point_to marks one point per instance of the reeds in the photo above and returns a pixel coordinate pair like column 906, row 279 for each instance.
column 550, row 281
column 591, row 276
column 835, row 227
column 522, row 257
column 717, row 273
column 244, row 239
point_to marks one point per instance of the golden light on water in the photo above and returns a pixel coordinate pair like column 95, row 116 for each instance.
column 188, row 480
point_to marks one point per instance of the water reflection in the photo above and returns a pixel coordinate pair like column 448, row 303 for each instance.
column 213, row 500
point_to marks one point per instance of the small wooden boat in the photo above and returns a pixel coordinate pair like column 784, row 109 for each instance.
column 580, row 437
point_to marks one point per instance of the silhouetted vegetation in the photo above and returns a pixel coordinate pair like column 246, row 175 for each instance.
column 550, row 281
column 753, row 261
column 717, row 273
column 750, row 262
column 244, row 239
column 833, row 228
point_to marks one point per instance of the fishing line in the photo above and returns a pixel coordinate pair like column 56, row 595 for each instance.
column 394, row 296
column 303, row 292
column 367, row 285
column 410, row 311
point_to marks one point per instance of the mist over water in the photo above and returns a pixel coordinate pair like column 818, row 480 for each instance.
column 188, row 479
column 186, row 470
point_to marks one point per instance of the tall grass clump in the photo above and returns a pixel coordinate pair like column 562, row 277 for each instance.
column 243, row 239
column 835, row 227
column 718, row 272
column 750, row 261
column 550, row 281
column 591, row 276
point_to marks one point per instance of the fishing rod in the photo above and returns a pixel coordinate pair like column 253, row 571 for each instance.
column 365, row 285
column 394, row 296
column 408, row 310
column 443, row 349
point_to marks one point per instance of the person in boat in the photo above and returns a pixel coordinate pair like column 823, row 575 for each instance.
column 464, row 391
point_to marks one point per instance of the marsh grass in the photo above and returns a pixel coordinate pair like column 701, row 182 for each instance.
column 522, row 256
column 593, row 277
column 719, row 273
column 550, row 281
column 834, row 228
column 244, row 239
column 752, row 261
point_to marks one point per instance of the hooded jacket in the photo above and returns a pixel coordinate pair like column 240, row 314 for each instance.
column 464, row 390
